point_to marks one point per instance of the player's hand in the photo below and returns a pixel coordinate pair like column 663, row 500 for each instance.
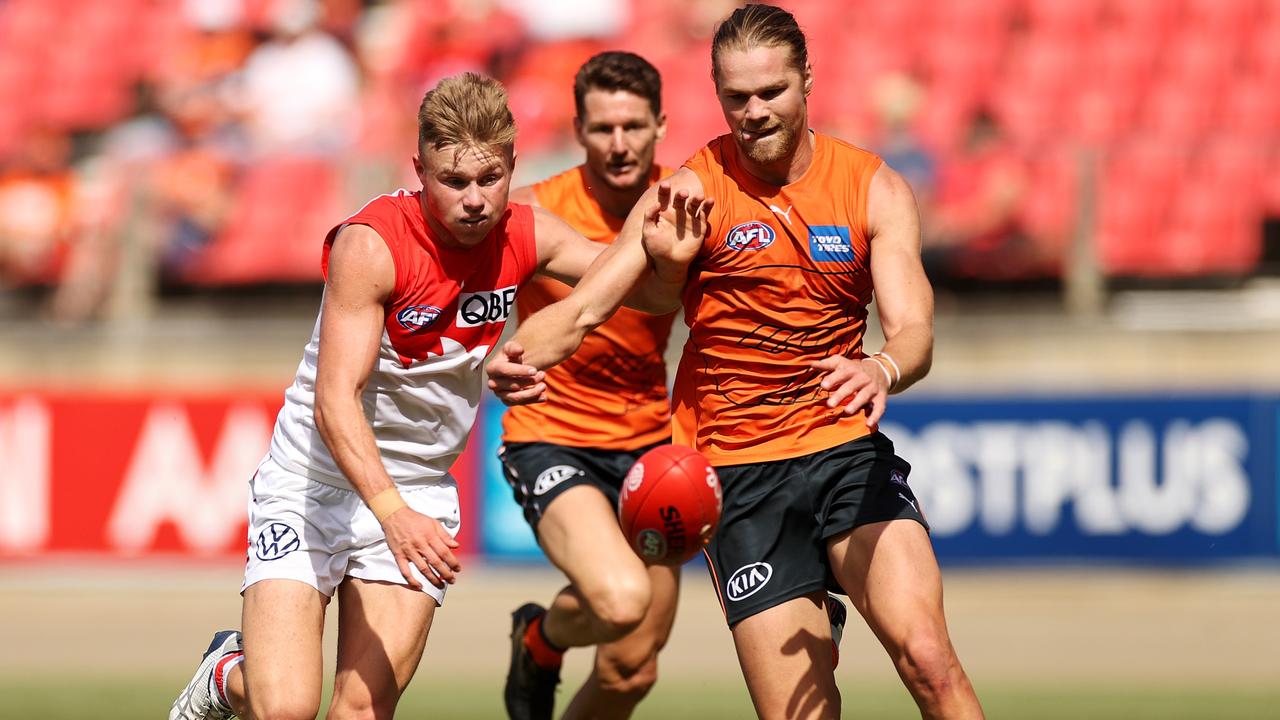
column 422, row 542
column 855, row 384
column 674, row 228
column 512, row 381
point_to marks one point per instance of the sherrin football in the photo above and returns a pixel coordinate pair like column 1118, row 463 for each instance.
column 670, row 505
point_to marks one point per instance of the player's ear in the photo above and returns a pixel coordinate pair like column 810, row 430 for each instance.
column 662, row 125
column 808, row 79
column 577, row 130
column 418, row 168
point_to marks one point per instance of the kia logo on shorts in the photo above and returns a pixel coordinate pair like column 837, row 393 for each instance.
column 418, row 317
column 748, row 580
column 553, row 476
column 487, row 306
column 753, row 235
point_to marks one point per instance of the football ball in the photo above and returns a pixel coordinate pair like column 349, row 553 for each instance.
column 669, row 505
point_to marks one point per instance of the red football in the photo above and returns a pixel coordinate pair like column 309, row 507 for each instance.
column 669, row 505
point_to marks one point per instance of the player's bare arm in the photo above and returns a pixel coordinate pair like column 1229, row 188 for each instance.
column 361, row 277
column 662, row 234
column 904, row 300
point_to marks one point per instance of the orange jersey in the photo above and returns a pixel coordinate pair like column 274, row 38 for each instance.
column 612, row 394
column 783, row 279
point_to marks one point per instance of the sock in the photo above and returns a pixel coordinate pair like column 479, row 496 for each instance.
column 218, row 679
column 544, row 653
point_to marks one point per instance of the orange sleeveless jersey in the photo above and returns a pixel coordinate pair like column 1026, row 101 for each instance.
column 612, row 394
column 782, row 279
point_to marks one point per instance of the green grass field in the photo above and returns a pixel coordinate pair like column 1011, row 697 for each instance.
column 127, row 700
column 79, row 642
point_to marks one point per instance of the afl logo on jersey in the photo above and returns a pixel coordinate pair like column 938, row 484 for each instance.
column 418, row 317
column 753, row 235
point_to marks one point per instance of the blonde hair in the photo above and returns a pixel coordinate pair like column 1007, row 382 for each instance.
column 759, row 25
column 466, row 110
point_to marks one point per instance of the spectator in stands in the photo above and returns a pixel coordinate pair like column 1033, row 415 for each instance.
column 976, row 229
column 897, row 99
column 46, row 237
column 300, row 88
column 37, row 191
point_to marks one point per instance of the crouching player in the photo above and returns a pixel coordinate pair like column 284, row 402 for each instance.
column 354, row 497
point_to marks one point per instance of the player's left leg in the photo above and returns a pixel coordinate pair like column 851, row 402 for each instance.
column 786, row 659
column 382, row 631
column 890, row 573
column 626, row 669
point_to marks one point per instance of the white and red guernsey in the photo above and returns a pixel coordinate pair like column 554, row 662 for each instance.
column 447, row 309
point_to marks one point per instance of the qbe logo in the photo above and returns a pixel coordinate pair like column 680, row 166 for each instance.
column 486, row 306
column 753, row 235
column 830, row 243
column 418, row 317
column 748, row 580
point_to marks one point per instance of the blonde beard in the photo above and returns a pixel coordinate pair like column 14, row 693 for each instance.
column 783, row 145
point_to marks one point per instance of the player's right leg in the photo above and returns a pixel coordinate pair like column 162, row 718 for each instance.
column 281, row 675
column 626, row 669
column 563, row 493
column 772, row 582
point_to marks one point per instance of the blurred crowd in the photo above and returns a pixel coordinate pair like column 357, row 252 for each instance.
column 176, row 143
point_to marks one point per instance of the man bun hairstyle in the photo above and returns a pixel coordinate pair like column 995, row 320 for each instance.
column 755, row 25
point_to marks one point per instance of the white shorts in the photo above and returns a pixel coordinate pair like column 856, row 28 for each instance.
column 302, row 529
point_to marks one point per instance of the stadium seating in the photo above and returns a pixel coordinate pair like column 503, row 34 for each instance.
column 1194, row 76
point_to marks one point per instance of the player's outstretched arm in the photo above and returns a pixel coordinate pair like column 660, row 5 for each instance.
column 361, row 277
column 904, row 300
column 662, row 234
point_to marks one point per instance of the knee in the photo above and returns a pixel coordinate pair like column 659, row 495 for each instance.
column 283, row 708
column 621, row 606
column 634, row 680
column 361, row 709
column 929, row 663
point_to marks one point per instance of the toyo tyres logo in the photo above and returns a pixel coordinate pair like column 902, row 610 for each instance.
column 753, row 235
column 747, row 581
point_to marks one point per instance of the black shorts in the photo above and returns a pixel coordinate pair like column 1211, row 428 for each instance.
column 538, row 472
column 771, row 543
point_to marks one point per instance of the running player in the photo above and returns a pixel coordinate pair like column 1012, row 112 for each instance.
column 607, row 405
column 774, row 386
column 354, row 496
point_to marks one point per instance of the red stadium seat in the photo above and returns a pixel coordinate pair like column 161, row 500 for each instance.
column 1199, row 58
column 1249, row 108
column 1068, row 18
column 283, row 208
column 1177, row 113
column 1228, row 18
column 1155, row 18
column 1211, row 230
column 1134, row 187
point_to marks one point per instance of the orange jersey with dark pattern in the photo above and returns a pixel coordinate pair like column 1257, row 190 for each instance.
column 612, row 393
column 783, row 279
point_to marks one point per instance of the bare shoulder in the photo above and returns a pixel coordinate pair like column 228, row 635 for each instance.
column 361, row 257
column 525, row 196
column 684, row 179
column 889, row 197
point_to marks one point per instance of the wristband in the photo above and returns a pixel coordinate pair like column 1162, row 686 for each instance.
column 888, row 379
column 385, row 503
column 897, row 371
